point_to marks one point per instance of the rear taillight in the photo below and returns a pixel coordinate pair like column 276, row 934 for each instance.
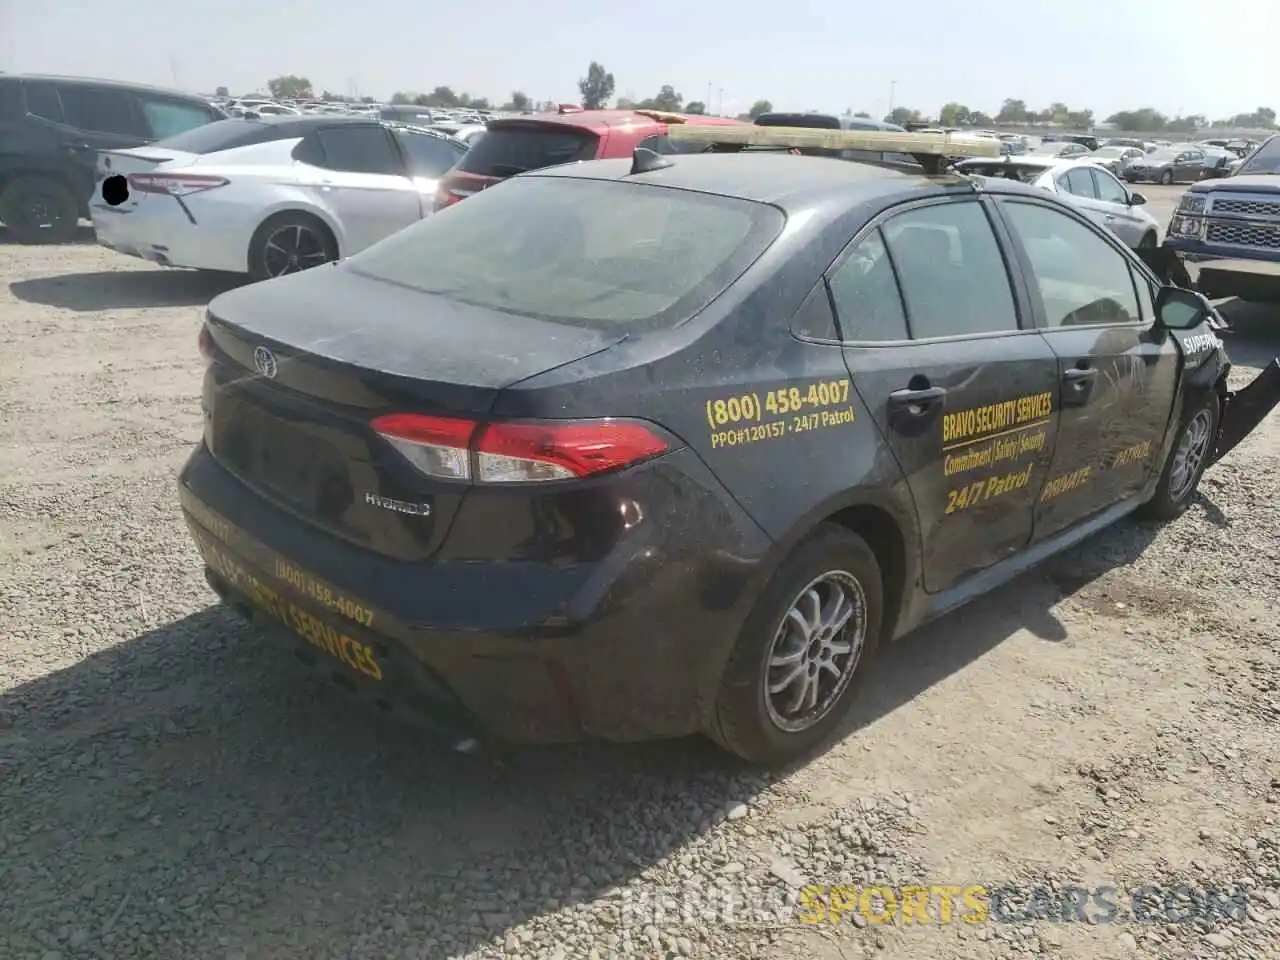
column 204, row 342
column 446, row 198
column 518, row 452
column 175, row 184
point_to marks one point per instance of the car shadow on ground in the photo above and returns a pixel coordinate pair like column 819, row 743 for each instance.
column 264, row 810
column 126, row 289
column 84, row 235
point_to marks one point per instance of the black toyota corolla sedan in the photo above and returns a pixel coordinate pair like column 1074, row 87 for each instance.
column 626, row 450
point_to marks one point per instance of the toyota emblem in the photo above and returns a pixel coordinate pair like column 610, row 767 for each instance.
column 265, row 361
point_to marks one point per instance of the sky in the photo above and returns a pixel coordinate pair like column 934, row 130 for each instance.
column 1179, row 56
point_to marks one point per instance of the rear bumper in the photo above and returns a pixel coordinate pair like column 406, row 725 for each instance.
column 636, row 655
column 160, row 230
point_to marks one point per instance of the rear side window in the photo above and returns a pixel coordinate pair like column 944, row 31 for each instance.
column 594, row 253
column 950, row 270
column 506, row 151
column 221, row 135
column 168, row 118
column 429, row 156
column 1077, row 182
column 865, row 291
column 43, row 101
column 100, row 109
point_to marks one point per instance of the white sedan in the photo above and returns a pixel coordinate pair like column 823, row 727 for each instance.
column 268, row 197
column 1087, row 184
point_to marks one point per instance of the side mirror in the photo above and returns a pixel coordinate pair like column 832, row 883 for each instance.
column 1181, row 309
column 1136, row 199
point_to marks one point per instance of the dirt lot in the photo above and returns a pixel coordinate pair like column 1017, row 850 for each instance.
column 171, row 787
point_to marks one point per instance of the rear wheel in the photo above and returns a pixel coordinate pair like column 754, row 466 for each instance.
column 289, row 243
column 1186, row 464
column 39, row 209
column 789, row 682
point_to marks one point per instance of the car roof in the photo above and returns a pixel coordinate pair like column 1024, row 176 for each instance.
column 99, row 82
column 1043, row 161
column 781, row 179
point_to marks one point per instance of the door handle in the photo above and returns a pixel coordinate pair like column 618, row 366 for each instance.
column 1077, row 386
column 1109, row 217
column 1079, row 375
column 917, row 402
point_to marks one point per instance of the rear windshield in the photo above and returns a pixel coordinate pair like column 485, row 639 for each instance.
column 1023, row 173
column 593, row 253
column 221, row 135
column 506, row 151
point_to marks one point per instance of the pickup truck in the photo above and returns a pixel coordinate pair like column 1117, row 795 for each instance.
column 1228, row 230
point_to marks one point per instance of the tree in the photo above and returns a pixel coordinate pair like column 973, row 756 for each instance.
column 1142, row 120
column 902, row 116
column 401, row 97
column 442, row 97
column 290, row 87
column 980, row 119
column 696, row 107
column 955, row 115
column 1013, row 111
column 596, row 87
column 626, row 103
column 221, row 92
column 759, row 108
column 667, row 99
column 481, row 103
column 519, row 102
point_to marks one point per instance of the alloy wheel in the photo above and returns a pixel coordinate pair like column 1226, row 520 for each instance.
column 293, row 248
column 1191, row 452
column 815, row 651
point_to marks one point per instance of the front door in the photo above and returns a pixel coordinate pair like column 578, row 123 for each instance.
column 1118, row 372
column 962, row 393
column 1118, row 212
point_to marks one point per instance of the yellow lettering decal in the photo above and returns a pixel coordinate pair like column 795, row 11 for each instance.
column 915, row 905
column 946, row 895
column 843, row 900
column 1008, row 416
column 975, row 902
column 888, row 903
column 811, row 901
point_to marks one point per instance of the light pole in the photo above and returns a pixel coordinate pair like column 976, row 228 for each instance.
column 893, row 86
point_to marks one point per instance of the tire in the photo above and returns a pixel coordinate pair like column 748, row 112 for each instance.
column 268, row 250
column 1167, row 177
column 1176, row 489
column 1148, row 241
column 39, row 209
column 755, row 725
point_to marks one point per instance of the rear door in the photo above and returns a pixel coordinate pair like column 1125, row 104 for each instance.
column 1118, row 372
column 358, row 173
column 964, row 393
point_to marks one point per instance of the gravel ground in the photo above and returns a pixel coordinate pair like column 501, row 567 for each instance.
column 170, row 786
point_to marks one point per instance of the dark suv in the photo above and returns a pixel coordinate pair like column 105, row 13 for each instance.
column 51, row 129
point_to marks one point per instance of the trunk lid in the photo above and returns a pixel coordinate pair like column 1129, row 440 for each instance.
column 304, row 363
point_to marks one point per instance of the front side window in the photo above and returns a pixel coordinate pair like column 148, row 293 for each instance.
column 865, row 291
column 1081, row 278
column 952, row 275
column 596, row 253
column 43, row 101
column 1266, row 159
column 1109, row 188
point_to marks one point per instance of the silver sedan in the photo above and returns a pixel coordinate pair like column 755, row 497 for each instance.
column 1087, row 184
